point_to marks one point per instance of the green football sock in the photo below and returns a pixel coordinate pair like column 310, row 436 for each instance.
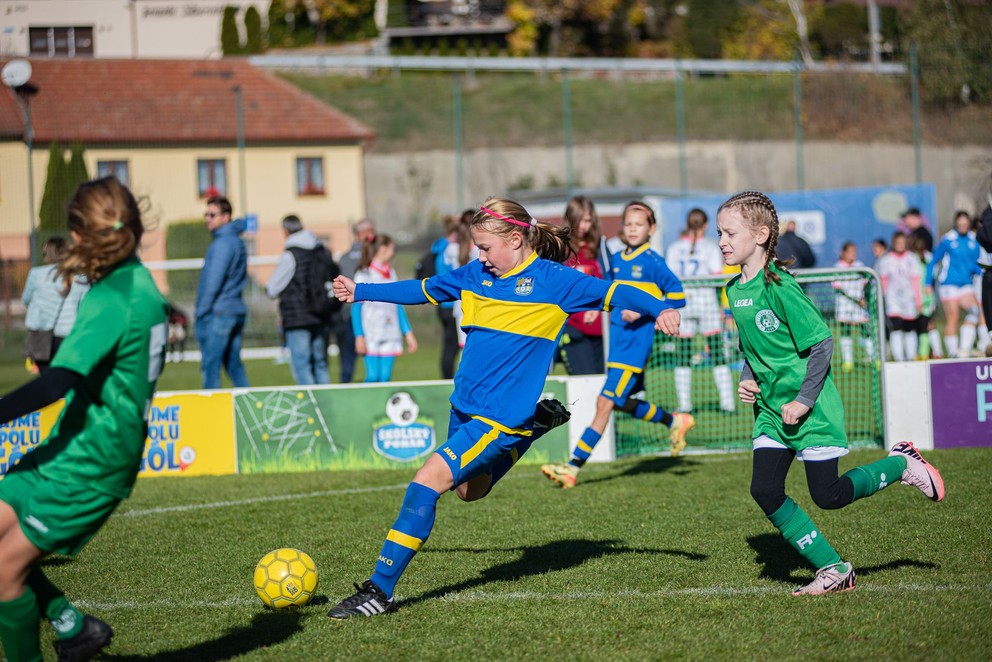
column 19, row 628
column 52, row 603
column 870, row 478
column 802, row 534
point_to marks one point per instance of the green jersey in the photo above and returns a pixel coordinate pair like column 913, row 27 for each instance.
column 778, row 324
column 118, row 345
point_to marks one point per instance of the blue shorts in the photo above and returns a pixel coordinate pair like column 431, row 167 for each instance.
column 622, row 381
column 475, row 444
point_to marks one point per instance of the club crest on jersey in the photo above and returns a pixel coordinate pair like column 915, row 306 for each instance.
column 524, row 286
column 637, row 271
column 766, row 321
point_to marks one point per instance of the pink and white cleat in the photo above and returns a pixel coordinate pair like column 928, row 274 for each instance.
column 919, row 473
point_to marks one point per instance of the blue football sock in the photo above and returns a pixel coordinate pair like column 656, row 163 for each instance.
column 647, row 411
column 583, row 449
column 409, row 533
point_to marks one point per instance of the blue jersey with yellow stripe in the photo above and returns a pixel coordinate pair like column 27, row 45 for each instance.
column 512, row 323
column 631, row 342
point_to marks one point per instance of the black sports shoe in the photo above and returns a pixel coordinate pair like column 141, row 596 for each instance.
column 369, row 600
column 91, row 639
column 550, row 414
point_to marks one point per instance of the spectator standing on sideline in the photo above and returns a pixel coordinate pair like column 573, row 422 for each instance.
column 956, row 258
column 302, row 275
column 914, row 226
column 450, row 252
column 362, row 232
column 984, row 237
column 878, row 249
column 220, row 312
column 793, row 247
column 902, row 286
column 49, row 307
column 581, row 345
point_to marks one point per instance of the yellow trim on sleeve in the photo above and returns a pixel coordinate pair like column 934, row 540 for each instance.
column 623, row 366
column 650, row 288
column 423, row 286
column 609, row 296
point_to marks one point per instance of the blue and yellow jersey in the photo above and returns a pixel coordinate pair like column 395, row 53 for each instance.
column 512, row 324
column 630, row 342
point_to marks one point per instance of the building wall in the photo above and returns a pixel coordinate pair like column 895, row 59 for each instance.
column 167, row 178
column 123, row 28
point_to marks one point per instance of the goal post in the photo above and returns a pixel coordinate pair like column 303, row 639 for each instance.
column 693, row 371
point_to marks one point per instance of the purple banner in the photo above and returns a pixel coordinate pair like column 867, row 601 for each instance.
column 961, row 401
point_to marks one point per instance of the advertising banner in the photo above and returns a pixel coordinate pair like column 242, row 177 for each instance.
column 961, row 402
column 824, row 218
column 19, row 436
column 361, row 427
column 190, row 434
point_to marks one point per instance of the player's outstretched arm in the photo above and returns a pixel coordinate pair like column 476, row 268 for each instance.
column 668, row 322
column 344, row 289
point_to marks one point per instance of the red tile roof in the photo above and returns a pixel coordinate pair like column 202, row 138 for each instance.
column 170, row 101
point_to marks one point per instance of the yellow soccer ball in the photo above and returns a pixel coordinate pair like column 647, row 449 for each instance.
column 285, row 577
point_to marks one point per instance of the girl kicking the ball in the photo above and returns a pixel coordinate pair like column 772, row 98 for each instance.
column 516, row 300
column 798, row 410
column 60, row 494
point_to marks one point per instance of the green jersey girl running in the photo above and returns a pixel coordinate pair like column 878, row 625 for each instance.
column 60, row 494
column 798, row 410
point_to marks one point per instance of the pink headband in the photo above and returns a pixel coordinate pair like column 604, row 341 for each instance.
column 523, row 224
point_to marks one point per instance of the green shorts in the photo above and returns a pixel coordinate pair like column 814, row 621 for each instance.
column 59, row 518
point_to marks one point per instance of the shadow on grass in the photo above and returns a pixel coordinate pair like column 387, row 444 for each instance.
column 783, row 563
column 557, row 555
column 654, row 465
column 266, row 629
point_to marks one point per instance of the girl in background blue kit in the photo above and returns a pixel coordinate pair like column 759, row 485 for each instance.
column 956, row 260
column 797, row 408
column 516, row 299
column 61, row 493
column 631, row 340
column 380, row 328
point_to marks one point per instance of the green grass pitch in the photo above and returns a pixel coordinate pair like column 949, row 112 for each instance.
column 648, row 558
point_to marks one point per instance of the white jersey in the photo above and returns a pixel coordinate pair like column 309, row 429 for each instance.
column 849, row 300
column 380, row 321
column 902, row 278
column 690, row 259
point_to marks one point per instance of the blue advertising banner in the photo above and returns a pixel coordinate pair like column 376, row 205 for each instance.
column 826, row 218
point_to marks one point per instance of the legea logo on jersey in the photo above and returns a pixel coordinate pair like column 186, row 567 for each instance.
column 403, row 436
column 524, row 286
column 766, row 321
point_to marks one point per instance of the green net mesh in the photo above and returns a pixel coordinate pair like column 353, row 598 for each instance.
column 849, row 300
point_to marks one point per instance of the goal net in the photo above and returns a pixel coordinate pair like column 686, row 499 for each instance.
column 696, row 371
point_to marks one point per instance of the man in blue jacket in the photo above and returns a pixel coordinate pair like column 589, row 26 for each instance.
column 220, row 312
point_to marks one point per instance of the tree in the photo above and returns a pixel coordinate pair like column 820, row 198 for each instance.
column 253, row 31
column 76, row 172
column 230, row 40
column 952, row 40
column 52, row 213
column 707, row 23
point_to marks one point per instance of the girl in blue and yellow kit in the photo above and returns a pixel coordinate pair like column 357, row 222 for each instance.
column 631, row 340
column 516, row 299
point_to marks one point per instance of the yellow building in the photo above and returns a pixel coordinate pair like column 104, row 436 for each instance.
column 176, row 131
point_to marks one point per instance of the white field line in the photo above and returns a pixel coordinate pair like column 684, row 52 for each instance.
column 342, row 492
column 265, row 499
column 531, row 596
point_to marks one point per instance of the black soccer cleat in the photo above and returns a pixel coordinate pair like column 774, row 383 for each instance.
column 94, row 636
column 550, row 414
column 369, row 600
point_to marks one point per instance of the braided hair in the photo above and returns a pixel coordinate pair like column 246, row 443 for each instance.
column 502, row 216
column 758, row 211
